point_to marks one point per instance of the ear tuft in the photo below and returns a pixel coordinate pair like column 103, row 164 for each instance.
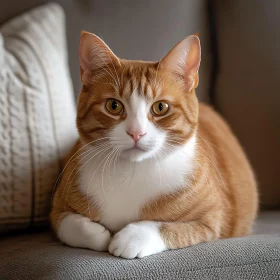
column 183, row 61
column 94, row 55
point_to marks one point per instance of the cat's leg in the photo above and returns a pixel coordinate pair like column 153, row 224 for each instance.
column 183, row 234
column 146, row 238
column 79, row 231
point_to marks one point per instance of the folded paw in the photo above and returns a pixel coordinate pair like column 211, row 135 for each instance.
column 137, row 240
column 99, row 237
column 79, row 231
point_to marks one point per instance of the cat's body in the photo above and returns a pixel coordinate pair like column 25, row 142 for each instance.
column 179, row 182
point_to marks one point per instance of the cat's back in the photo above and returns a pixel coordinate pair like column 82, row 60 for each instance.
column 236, row 178
column 215, row 134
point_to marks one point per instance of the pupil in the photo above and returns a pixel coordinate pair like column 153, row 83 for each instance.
column 114, row 105
column 160, row 106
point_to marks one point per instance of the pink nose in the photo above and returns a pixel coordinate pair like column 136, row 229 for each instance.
column 135, row 135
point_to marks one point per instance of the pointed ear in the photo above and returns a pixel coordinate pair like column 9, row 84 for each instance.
column 94, row 56
column 183, row 61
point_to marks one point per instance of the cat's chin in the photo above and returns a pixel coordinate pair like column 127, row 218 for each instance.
column 136, row 154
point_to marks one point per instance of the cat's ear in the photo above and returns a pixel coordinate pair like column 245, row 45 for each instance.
column 183, row 61
column 94, row 55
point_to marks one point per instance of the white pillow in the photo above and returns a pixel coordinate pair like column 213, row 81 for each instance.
column 37, row 114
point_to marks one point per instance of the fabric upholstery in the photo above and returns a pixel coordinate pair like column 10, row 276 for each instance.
column 37, row 114
column 37, row 256
column 143, row 30
column 248, row 85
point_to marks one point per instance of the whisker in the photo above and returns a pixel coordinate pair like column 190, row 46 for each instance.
column 69, row 185
column 70, row 160
column 105, row 165
column 106, row 149
column 103, row 151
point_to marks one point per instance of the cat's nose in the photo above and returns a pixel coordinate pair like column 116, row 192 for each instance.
column 136, row 135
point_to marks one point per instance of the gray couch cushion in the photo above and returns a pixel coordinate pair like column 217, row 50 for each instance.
column 39, row 257
column 241, row 258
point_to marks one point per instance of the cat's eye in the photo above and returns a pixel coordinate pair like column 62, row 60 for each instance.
column 114, row 106
column 160, row 108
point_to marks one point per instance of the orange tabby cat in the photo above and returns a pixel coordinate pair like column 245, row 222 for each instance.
column 153, row 169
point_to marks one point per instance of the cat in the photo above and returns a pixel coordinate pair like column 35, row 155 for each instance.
column 153, row 169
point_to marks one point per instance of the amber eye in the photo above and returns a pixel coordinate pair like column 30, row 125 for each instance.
column 114, row 106
column 160, row 108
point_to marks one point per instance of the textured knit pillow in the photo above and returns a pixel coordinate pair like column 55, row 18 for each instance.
column 37, row 114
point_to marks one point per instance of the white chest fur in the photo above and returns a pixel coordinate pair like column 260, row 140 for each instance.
column 121, row 191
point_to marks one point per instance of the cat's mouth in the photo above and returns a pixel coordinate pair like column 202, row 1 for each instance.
column 137, row 152
column 136, row 149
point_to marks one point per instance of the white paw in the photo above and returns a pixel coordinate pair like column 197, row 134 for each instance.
column 98, row 237
column 79, row 231
column 137, row 240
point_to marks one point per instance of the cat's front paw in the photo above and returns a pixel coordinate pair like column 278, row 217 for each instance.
column 99, row 238
column 137, row 240
column 79, row 231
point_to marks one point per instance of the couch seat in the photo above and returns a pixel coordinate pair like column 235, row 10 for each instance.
column 38, row 256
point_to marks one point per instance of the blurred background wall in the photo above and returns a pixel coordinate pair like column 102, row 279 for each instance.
column 144, row 30
column 247, row 88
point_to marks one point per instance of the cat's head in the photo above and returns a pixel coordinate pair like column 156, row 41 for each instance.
column 138, row 109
